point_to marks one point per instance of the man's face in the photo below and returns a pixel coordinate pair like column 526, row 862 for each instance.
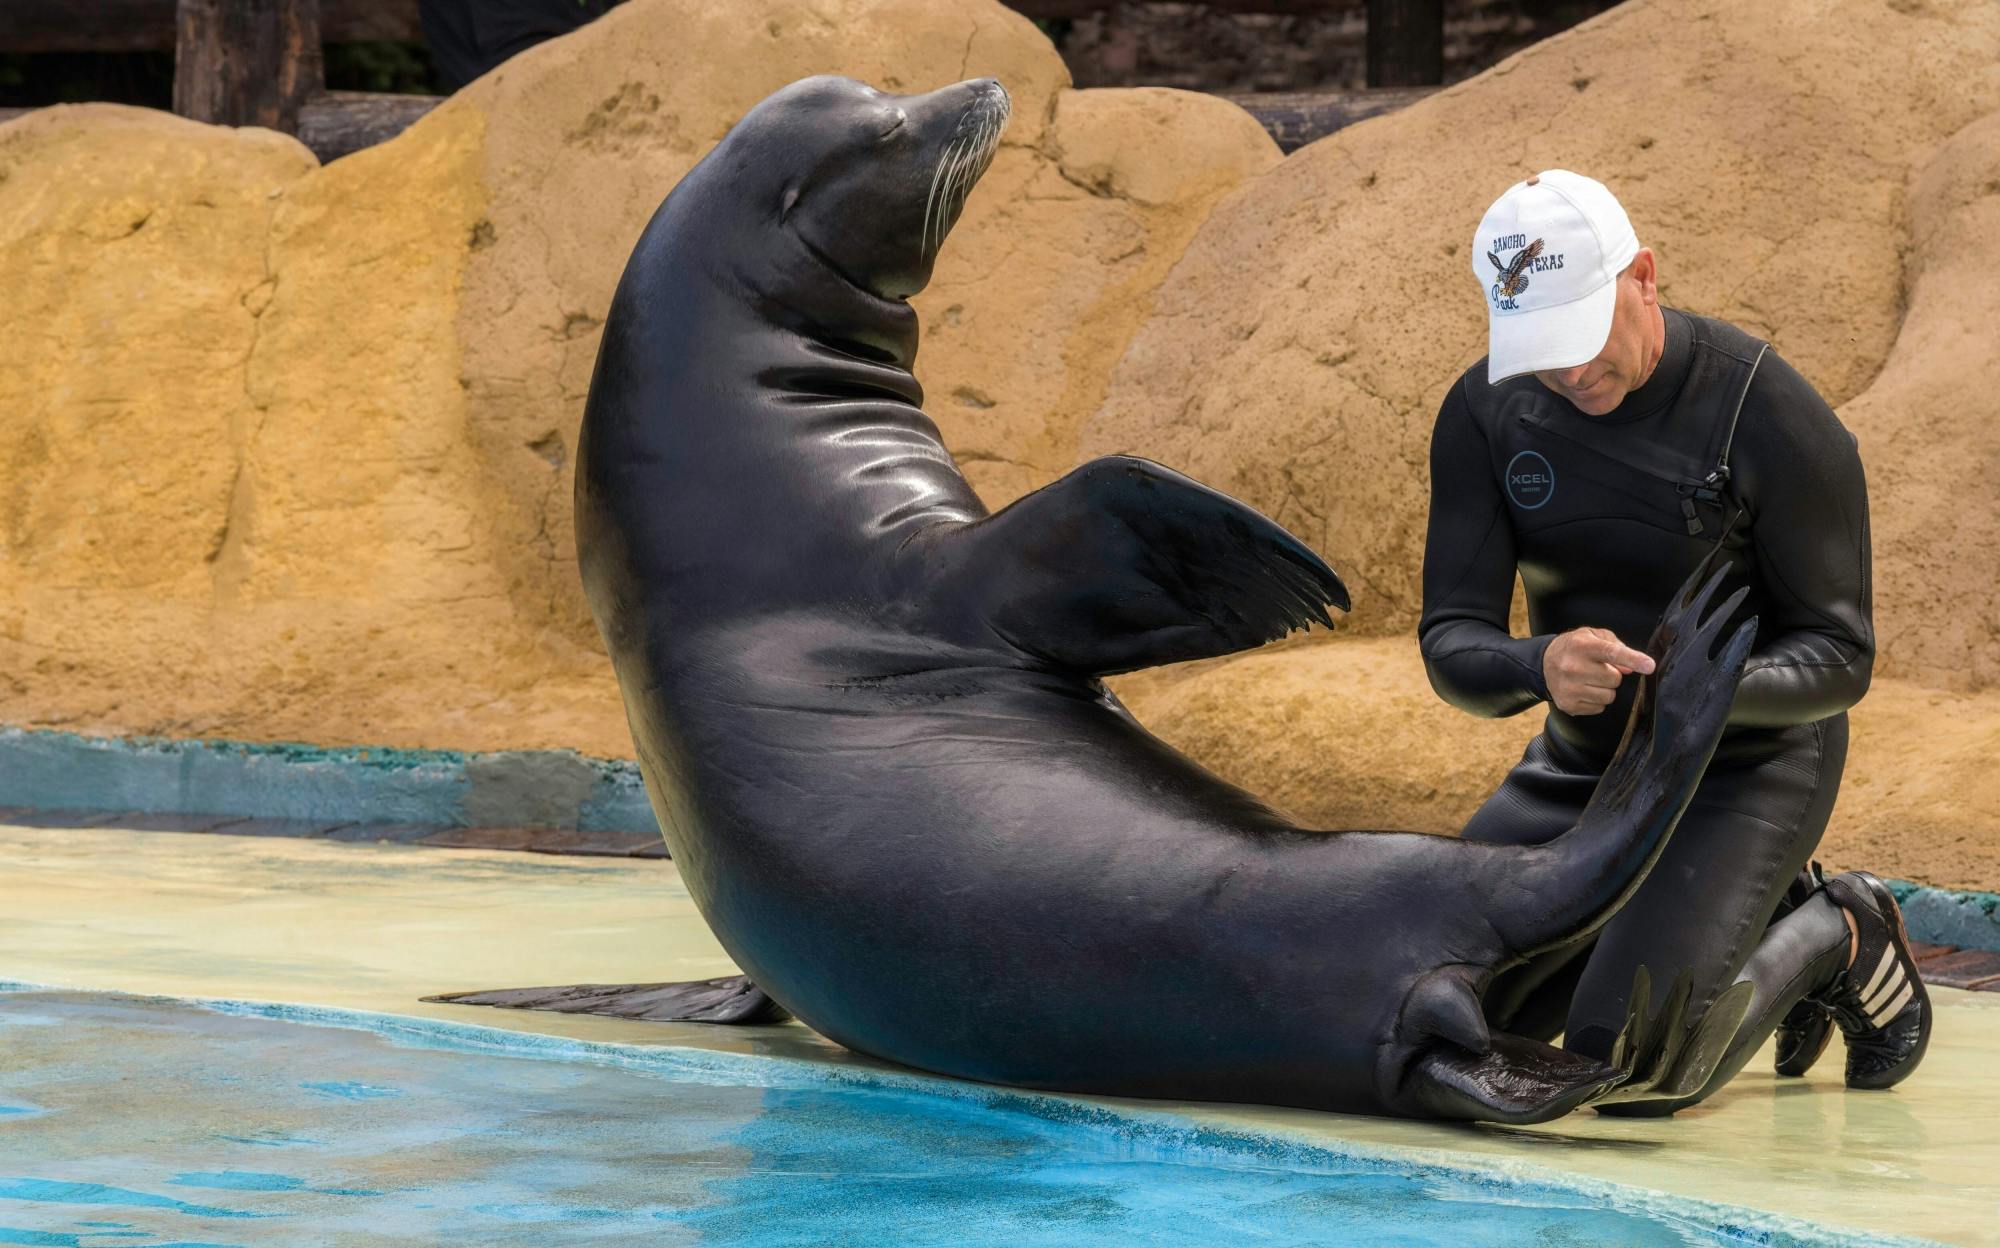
column 1598, row 387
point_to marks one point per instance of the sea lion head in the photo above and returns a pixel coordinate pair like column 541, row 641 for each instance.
column 868, row 181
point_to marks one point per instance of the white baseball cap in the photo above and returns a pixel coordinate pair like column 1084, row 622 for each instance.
column 1548, row 254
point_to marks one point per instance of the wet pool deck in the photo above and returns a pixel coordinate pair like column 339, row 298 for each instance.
column 374, row 928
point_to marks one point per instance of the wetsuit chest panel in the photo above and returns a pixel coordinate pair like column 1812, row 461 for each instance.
column 1599, row 508
column 1602, row 517
column 1553, row 476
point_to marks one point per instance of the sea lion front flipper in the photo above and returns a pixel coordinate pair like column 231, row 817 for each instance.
column 1517, row 1081
column 730, row 999
column 1125, row 564
column 1681, row 1058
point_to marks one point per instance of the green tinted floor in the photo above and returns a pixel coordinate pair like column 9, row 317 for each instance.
column 376, row 927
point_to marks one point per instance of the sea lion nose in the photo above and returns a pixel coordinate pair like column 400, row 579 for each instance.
column 989, row 87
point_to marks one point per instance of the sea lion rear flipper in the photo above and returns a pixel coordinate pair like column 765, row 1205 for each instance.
column 1517, row 1081
column 1467, row 1072
column 1125, row 564
column 730, row 999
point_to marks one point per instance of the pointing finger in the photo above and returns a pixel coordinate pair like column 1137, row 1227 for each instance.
column 1606, row 648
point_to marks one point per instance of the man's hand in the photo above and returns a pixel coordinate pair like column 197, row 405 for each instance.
column 1583, row 667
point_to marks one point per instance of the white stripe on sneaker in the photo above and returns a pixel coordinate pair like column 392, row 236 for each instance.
column 1881, row 971
column 1894, row 1007
column 1889, row 986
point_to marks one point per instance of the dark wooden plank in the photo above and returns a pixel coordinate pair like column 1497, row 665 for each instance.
column 1296, row 118
column 336, row 123
column 247, row 62
column 148, row 25
column 1923, row 952
column 1967, row 968
column 1405, row 43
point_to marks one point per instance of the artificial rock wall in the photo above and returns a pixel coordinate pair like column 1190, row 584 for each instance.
column 284, row 450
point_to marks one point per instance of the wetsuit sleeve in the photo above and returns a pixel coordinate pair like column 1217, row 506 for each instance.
column 1798, row 470
column 1473, row 662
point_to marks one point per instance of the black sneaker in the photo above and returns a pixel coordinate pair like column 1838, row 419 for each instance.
column 1880, row 1002
column 1803, row 1033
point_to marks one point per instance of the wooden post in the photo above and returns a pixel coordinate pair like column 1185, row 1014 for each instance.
column 1405, row 43
column 148, row 25
column 247, row 62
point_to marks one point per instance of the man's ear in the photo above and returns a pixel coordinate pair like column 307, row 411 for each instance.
column 1644, row 271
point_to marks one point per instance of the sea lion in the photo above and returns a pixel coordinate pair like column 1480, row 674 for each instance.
column 870, row 718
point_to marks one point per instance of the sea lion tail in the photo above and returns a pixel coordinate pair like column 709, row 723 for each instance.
column 1578, row 880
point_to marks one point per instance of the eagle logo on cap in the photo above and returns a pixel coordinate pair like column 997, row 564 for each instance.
column 1514, row 276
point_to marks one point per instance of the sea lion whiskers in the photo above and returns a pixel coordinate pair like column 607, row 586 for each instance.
column 985, row 144
column 937, row 174
column 962, row 165
column 963, row 150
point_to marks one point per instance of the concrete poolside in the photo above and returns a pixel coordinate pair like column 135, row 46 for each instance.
column 374, row 928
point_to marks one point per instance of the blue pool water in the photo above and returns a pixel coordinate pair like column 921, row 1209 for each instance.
column 130, row 1121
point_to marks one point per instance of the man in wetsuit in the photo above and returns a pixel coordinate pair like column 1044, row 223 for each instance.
column 1602, row 450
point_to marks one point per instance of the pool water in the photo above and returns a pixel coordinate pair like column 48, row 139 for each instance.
column 142, row 1121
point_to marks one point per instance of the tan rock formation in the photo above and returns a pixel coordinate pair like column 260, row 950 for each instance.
column 284, row 451
column 292, row 459
column 1298, row 354
column 1929, row 427
column 1347, row 733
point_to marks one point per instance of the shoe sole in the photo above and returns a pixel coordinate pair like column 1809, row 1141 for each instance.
column 1885, row 903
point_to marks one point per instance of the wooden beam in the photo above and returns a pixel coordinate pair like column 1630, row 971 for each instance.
column 148, row 25
column 1405, row 43
column 335, row 123
column 1296, row 118
column 247, row 62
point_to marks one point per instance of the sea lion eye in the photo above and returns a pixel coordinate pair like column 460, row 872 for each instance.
column 896, row 124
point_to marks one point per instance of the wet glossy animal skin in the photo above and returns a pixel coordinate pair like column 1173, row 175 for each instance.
column 870, row 718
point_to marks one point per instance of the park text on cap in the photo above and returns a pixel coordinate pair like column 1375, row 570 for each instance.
column 1547, row 255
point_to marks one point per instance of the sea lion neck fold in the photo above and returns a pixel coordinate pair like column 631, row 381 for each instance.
column 850, row 341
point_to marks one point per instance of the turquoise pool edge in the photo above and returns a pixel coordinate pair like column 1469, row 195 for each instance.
column 49, row 770
column 1160, row 1129
column 350, row 784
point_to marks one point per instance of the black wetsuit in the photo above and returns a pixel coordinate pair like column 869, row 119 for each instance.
column 1604, row 516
